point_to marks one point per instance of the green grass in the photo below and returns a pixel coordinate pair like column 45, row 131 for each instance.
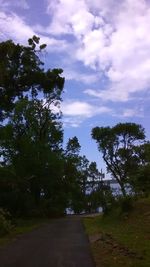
column 22, row 226
column 121, row 240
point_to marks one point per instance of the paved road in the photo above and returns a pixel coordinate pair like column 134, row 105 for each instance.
column 61, row 243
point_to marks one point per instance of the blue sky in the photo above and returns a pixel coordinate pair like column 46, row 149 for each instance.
column 103, row 46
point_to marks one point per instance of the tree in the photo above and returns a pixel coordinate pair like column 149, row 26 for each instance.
column 76, row 175
column 72, row 159
column 117, row 146
column 31, row 142
column 94, row 176
column 31, row 135
column 100, row 193
column 82, row 181
column 73, row 147
column 22, row 73
column 140, row 178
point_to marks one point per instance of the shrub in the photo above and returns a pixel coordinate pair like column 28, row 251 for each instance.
column 126, row 204
column 5, row 222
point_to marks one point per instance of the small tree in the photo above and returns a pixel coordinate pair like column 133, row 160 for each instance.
column 72, row 159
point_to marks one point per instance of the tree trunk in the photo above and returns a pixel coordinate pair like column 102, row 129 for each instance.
column 122, row 189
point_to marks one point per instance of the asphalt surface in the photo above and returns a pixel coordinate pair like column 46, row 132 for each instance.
column 61, row 243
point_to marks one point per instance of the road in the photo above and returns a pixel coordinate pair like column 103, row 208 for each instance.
column 60, row 243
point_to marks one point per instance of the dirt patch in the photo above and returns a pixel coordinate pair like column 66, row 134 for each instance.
column 107, row 241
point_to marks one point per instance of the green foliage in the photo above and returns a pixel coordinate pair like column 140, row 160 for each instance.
column 36, row 176
column 123, row 205
column 31, row 158
column 5, row 222
column 32, row 149
column 99, row 190
column 75, row 175
column 22, row 72
column 126, row 204
column 140, row 176
column 140, row 181
column 119, row 148
column 73, row 147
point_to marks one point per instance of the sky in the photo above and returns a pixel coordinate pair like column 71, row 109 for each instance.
column 103, row 46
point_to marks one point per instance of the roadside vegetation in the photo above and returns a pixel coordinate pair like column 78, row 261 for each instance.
column 121, row 238
column 18, row 227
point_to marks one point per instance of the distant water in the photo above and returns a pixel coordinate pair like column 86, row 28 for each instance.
column 69, row 211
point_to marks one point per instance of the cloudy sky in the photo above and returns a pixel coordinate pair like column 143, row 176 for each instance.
column 103, row 47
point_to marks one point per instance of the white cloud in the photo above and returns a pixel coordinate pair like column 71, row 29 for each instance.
column 77, row 108
column 82, row 109
column 68, row 17
column 129, row 113
column 113, row 94
column 92, row 92
column 112, row 37
column 85, row 78
column 72, row 122
column 14, row 27
column 75, row 112
column 5, row 4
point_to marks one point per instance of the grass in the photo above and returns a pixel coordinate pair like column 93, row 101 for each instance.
column 22, row 226
column 121, row 240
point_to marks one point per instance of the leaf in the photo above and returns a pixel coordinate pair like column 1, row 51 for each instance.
column 36, row 39
column 43, row 46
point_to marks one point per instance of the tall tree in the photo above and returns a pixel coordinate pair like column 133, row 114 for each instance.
column 76, row 173
column 71, row 173
column 117, row 146
column 31, row 135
